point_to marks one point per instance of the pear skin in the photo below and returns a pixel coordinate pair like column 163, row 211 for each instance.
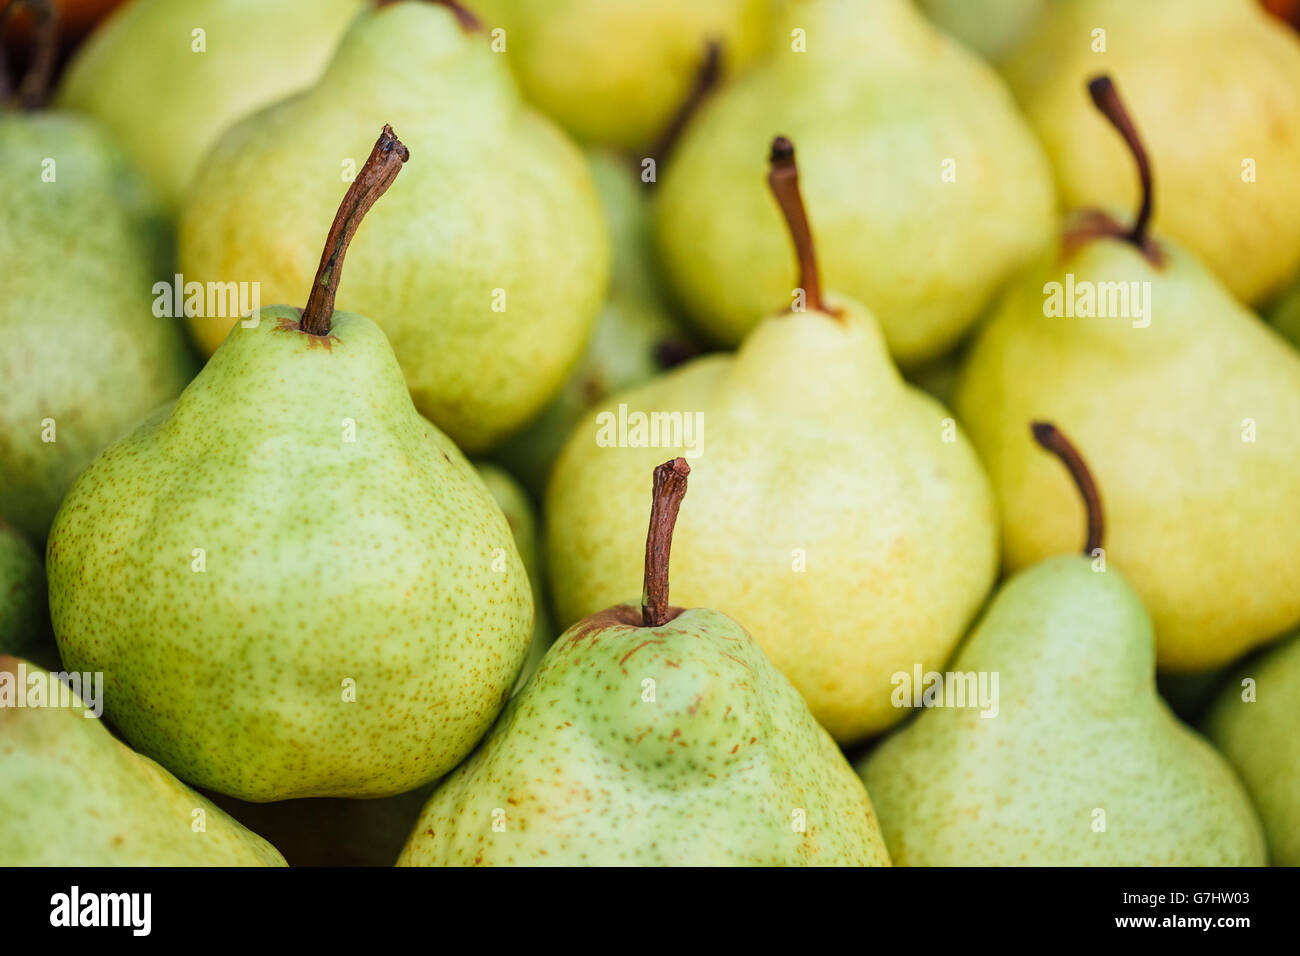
column 24, row 614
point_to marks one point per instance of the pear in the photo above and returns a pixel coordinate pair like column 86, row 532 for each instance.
column 82, row 356
column 927, row 187
column 1253, row 722
column 1217, row 85
column 180, row 72
column 1190, row 409
column 992, row 28
column 876, row 558
column 1077, row 761
column 497, row 261
column 657, row 736
column 295, row 584
column 23, row 604
column 518, row 510
column 72, row 795
column 636, row 336
column 613, row 71
column 1285, row 315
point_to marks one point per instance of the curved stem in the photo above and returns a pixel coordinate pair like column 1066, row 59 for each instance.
column 707, row 75
column 34, row 88
column 1054, row 440
column 783, row 180
column 1106, row 98
column 376, row 176
column 669, row 490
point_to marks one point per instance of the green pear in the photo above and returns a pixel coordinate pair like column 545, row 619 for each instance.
column 1190, row 409
column 295, row 584
column 636, row 335
column 518, row 510
column 72, row 795
column 23, row 603
column 878, row 557
column 1217, row 86
column 82, row 356
column 1074, row 760
column 1254, row 723
column 497, row 257
column 927, row 187
column 167, row 77
column 992, row 28
column 656, row 736
column 614, row 71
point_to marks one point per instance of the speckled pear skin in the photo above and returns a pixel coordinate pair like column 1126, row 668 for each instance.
column 711, row 772
column 257, row 52
column 1260, row 740
column 519, row 514
column 23, row 599
column 1079, row 728
column 500, row 202
column 586, row 62
column 878, row 103
column 1205, row 525
column 79, row 342
column 1210, row 83
column 72, row 795
column 382, row 561
column 814, row 451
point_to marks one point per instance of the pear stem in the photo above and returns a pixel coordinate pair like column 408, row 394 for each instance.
column 783, row 180
column 468, row 22
column 1053, row 439
column 1106, row 98
column 376, row 176
column 34, row 87
column 669, row 490
column 707, row 75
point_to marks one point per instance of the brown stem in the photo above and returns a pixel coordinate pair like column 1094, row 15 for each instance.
column 34, row 88
column 707, row 75
column 468, row 22
column 1054, row 440
column 1106, row 98
column 669, row 490
column 376, row 176
column 783, row 180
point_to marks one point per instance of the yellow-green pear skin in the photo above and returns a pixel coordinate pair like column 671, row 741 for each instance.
column 294, row 584
column 522, row 519
column 83, row 357
column 1189, row 408
column 839, row 513
column 73, row 795
column 992, row 28
column 167, row 77
column 925, row 186
column 495, row 254
column 1081, row 763
column 1214, row 85
column 637, row 334
column 615, row 72
column 677, row 745
column 23, row 602
column 1258, row 736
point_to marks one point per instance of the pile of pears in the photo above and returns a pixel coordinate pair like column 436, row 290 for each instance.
column 357, row 358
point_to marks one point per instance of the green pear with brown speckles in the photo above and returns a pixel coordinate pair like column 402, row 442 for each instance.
column 668, row 740
column 295, row 585
column 72, row 795
column 1074, row 760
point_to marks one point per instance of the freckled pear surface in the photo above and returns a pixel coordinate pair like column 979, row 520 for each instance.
column 238, row 566
column 716, row 762
column 72, row 795
column 1079, row 733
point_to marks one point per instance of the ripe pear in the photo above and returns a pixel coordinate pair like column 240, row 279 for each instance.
column 295, row 584
column 497, row 258
column 614, row 71
column 877, row 558
column 637, row 334
column 992, row 28
column 72, row 795
column 1254, row 723
column 1078, row 762
column 657, row 736
column 1190, row 409
column 23, row 604
column 179, row 72
column 82, row 356
column 1216, row 84
column 927, row 187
